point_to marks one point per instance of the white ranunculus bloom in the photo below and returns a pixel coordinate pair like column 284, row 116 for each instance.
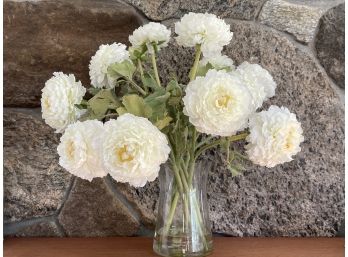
column 259, row 82
column 218, row 62
column 152, row 32
column 275, row 136
column 80, row 149
column 134, row 149
column 218, row 104
column 205, row 29
column 100, row 62
column 59, row 96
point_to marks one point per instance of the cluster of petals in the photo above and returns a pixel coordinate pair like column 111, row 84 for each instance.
column 151, row 33
column 275, row 136
column 204, row 29
column 219, row 62
column 218, row 104
column 59, row 97
column 131, row 149
column 100, row 62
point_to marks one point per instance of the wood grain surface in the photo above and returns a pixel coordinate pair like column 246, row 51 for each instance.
column 142, row 247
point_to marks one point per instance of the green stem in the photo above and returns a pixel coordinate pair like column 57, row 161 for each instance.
column 183, row 168
column 141, row 91
column 186, row 210
column 191, row 171
column 183, row 179
column 191, row 164
column 178, row 179
column 241, row 155
column 204, row 141
column 187, row 162
column 154, row 64
column 140, row 67
column 171, row 213
column 217, row 142
column 195, row 64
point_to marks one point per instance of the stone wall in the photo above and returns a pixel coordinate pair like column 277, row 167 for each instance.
column 300, row 42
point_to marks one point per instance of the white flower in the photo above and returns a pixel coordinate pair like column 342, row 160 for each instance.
column 205, row 29
column 59, row 96
column 219, row 62
column 98, row 67
column 133, row 149
column 218, row 104
column 152, row 32
column 275, row 136
column 259, row 82
column 80, row 149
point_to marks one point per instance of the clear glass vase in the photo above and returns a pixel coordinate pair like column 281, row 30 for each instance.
column 183, row 225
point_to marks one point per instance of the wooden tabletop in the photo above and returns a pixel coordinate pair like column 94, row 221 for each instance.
column 142, row 247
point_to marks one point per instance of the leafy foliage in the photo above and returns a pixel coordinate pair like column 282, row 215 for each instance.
column 202, row 70
column 99, row 104
column 124, row 69
column 135, row 105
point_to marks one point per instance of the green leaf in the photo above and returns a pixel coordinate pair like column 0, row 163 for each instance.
column 233, row 171
column 122, row 69
column 161, row 124
column 202, row 70
column 82, row 105
column 136, row 105
column 236, row 168
column 175, row 100
column 149, row 81
column 121, row 110
column 157, row 101
column 137, row 52
column 174, row 88
column 93, row 90
column 102, row 102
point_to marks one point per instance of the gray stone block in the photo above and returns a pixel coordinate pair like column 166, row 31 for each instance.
column 165, row 9
column 34, row 183
column 329, row 43
column 41, row 37
column 302, row 198
column 93, row 210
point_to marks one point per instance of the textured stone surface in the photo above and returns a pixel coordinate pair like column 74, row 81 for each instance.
column 302, row 198
column 34, row 183
column 41, row 37
column 144, row 199
column 41, row 229
column 160, row 10
column 329, row 43
column 295, row 18
column 93, row 210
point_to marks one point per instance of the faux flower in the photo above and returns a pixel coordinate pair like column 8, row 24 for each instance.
column 259, row 82
column 98, row 67
column 133, row 149
column 152, row 32
column 275, row 136
column 218, row 62
column 218, row 104
column 205, row 29
column 59, row 96
column 80, row 149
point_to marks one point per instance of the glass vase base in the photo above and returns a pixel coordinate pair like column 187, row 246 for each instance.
column 182, row 246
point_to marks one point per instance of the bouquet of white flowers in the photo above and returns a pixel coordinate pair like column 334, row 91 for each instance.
column 129, row 123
